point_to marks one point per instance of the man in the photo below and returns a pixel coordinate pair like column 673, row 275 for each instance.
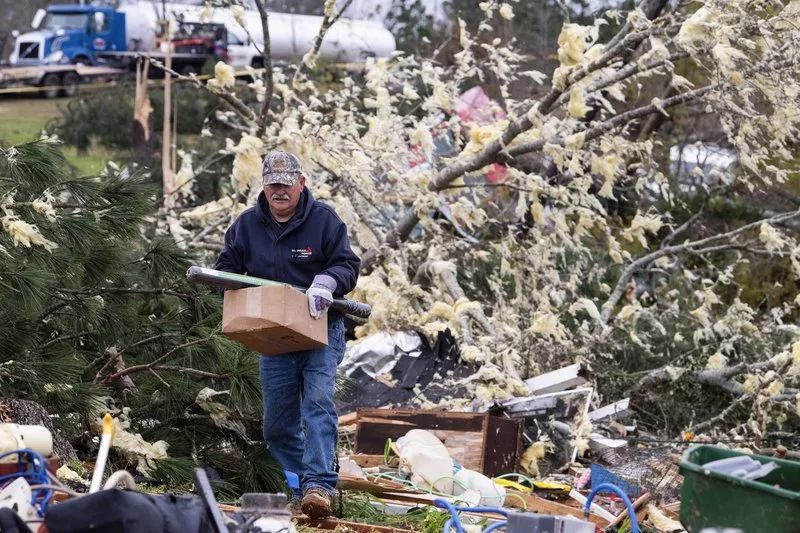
column 290, row 237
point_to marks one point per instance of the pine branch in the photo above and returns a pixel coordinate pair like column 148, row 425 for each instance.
column 150, row 339
column 122, row 290
column 61, row 338
column 193, row 371
column 156, row 362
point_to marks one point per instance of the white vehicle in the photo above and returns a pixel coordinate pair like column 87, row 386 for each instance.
column 291, row 36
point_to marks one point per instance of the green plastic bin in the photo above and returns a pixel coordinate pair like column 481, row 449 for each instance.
column 710, row 499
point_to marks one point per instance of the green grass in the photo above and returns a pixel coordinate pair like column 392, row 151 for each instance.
column 23, row 119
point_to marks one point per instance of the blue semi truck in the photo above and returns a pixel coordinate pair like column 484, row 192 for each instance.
column 74, row 43
column 69, row 40
column 68, row 33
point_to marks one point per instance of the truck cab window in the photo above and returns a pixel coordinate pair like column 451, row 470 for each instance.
column 232, row 39
column 73, row 21
column 99, row 23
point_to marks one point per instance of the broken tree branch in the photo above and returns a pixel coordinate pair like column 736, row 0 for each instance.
column 266, row 55
column 402, row 230
column 329, row 19
column 232, row 100
column 192, row 371
column 698, row 245
column 159, row 360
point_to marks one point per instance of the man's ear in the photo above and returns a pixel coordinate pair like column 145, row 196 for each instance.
column 302, row 180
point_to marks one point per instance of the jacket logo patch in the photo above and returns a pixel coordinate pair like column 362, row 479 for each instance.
column 301, row 253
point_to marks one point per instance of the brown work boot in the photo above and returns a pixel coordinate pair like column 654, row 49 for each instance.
column 316, row 503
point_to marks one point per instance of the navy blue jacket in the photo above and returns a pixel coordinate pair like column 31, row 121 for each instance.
column 314, row 241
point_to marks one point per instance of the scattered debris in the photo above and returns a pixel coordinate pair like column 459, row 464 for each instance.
column 615, row 411
column 413, row 470
column 479, row 441
column 564, row 378
column 393, row 370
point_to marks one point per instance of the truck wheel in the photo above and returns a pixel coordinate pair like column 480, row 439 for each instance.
column 81, row 60
column 51, row 84
column 70, row 84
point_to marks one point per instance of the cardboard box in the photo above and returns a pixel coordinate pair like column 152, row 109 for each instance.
column 272, row 320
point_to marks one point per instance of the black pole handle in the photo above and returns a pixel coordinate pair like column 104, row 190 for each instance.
column 351, row 307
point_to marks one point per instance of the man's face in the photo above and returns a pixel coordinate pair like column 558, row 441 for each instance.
column 283, row 199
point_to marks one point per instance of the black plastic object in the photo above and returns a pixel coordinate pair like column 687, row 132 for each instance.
column 203, row 488
column 11, row 522
column 442, row 359
column 118, row 511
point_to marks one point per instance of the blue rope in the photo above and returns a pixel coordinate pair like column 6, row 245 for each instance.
column 34, row 471
column 621, row 494
column 455, row 521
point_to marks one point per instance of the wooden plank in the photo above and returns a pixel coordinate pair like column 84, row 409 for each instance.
column 643, row 500
column 373, row 486
column 366, row 460
column 534, row 503
column 344, row 525
column 348, row 418
column 599, row 442
column 375, row 420
column 615, row 411
column 371, row 436
column 428, row 419
column 464, row 447
column 564, row 378
column 503, row 440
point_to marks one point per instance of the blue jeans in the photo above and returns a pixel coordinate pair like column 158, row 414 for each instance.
column 300, row 421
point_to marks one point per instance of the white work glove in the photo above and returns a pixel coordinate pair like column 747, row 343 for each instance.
column 320, row 294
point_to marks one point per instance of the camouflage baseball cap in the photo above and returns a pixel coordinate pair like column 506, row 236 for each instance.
column 281, row 168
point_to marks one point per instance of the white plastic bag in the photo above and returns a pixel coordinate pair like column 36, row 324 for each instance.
column 427, row 460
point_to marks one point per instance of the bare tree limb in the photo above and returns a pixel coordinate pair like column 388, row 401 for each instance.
column 232, row 100
column 698, row 245
column 157, row 361
column 721, row 416
column 615, row 121
column 718, row 377
column 150, row 339
column 192, row 371
column 159, row 377
column 123, row 290
column 488, row 155
column 627, row 71
column 208, row 229
column 266, row 55
column 327, row 22
column 683, row 227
